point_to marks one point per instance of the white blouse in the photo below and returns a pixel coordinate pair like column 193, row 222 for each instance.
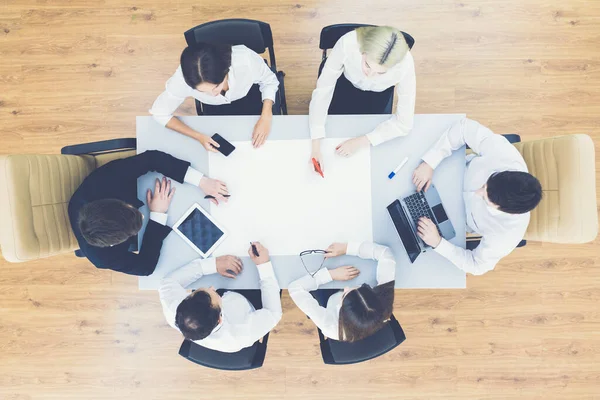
column 247, row 69
column 327, row 318
column 346, row 58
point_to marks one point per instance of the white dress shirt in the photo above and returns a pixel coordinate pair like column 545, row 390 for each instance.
column 241, row 324
column 501, row 232
column 346, row 58
column 247, row 69
column 193, row 177
column 327, row 318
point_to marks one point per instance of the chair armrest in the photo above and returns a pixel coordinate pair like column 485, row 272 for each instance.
column 103, row 146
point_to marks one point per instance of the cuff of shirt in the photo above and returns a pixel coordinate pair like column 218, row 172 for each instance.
column 375, row 138
column 433, row 158
column 209, row 266
column 161, row 119
column 317, row 132
column 269, row 94
column 265, row 271
column 193, row 176
column 323, row 276
column 353, row 248
column 161, row 218
column 444, row 248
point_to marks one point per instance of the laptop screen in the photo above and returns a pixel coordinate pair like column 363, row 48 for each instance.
column 411, row 245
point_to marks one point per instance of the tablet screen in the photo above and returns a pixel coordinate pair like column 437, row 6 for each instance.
column 200, row 230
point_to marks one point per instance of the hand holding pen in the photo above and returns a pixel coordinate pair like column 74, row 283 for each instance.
column 215, row 190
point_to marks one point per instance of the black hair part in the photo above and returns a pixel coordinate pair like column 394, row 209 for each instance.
column 205, row 62
column 390, row 46
column 196, row 317
column 514, row 192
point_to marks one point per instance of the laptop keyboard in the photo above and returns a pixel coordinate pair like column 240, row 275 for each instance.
column 418, row 207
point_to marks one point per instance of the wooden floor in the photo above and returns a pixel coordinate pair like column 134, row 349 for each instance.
column 81, row 70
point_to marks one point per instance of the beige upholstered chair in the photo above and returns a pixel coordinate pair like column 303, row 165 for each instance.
column 566, row 168
column 34, row 195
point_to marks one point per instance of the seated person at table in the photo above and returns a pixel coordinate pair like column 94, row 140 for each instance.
column 219, row 75
column 353, row 313
column 371, row 59
column 229, row 323
column 104, row 210
column 498, row 193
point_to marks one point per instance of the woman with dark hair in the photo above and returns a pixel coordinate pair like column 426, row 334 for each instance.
column 353, row 313
column 219, row 75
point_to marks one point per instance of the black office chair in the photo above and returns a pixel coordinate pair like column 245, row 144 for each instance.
column 339, row 353
column 329, row 37
column 255, row 35
column 473, row 241
column 247, row 358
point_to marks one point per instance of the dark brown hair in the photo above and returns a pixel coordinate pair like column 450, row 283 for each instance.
column 365, row 310
column 108, row 222
column 196, row 316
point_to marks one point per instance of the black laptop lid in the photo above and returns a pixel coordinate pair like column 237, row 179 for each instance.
column 411, row 245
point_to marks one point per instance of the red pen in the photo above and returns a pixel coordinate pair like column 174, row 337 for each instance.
column 317, row 166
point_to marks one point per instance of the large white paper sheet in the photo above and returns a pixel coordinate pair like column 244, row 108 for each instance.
column 278, row 200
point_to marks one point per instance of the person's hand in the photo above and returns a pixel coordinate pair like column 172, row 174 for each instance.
column 261, row 130
column 163, row 194
column 316, row 154
column 263, row 254
column 422, row 176
column 214, row 188
column 351, row 146
column 229, row 266
column 344, row 273
column 208, row 143
column 428, row 232
column 336, row 249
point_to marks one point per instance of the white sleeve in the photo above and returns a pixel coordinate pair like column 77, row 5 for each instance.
column 176, row 91
column 471, row 133
column 172, row 287
column 322, row 95
column 193, row 176
column 260, row 322
column 263, row 76
column 386, row 264
column 299, row 291
column 483, row 258
column 401, row 123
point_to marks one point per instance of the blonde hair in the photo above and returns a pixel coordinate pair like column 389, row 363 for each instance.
column 384, row 44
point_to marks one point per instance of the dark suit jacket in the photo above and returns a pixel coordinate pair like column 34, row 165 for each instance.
column 118, row 180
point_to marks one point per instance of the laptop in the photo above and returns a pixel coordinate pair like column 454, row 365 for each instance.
column 405, row 214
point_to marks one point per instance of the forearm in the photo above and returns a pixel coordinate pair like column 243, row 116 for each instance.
column 178, row 126
column 267, row 109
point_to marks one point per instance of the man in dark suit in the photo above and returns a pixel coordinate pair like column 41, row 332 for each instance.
column 104, row 210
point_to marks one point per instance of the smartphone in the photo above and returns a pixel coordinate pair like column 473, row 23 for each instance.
column 225, row 148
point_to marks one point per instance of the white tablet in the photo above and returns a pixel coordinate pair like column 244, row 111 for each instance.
column 200, row 230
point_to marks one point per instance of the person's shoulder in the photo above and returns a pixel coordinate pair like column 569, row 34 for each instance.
column 176, row 83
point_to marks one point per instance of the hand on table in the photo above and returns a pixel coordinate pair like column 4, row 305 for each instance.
column 261, row 130
column 344, row 273
column 422, row 176
column 229, row 266
column 263, row 254
column 336, row 249
column 351, row 146
column 163, row 194
column 214, row 188
column 208, row 143
column 428, row 232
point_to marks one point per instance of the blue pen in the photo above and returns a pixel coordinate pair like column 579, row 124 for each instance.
column 394, row 172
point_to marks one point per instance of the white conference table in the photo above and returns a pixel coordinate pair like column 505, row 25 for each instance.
column 430, row 270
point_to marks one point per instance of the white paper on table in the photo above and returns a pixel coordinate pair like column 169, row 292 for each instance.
column 277, row 198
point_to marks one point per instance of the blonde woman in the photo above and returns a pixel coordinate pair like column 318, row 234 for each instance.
column 371, row 59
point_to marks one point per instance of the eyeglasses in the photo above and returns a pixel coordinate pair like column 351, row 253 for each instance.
column 308, row 253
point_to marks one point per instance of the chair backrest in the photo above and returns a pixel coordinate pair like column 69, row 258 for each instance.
column 247, row 358
column 566, row 168
column 256, row 35
column 35, row 191
column 330, row 35
column 381, row 342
